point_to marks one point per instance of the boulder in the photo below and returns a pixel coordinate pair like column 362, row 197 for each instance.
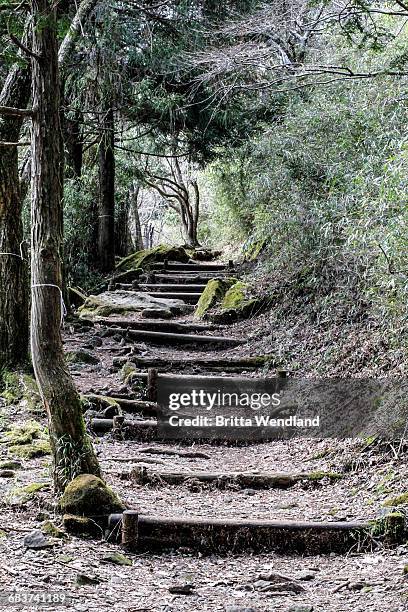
column 123, row 302
column 146, row 258
column 212, row 295
column 88, row 495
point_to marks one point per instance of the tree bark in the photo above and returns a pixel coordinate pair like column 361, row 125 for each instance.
column 72, row 449
column 138, row 237
column 13, row 269
column 106, row 238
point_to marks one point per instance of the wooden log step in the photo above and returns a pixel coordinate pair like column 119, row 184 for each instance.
column 190, row 267
column 141, row 430
column 183, row 278
column 171, row 339
column 189, row 298
column 208, row 535
column 176, row 287
column 221, row 480
column 243, row 363
column 132, row 405
column 119, row 325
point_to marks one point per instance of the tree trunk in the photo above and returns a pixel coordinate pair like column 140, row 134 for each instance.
column 13, row 269
column 138, row 237
column 72, row 448
column 73, row 144
column 106, row 238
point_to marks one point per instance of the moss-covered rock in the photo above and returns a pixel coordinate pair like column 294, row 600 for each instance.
column 102, row 404
column 235, row 297
column 88, row 495
column 23, row 434
column 82, row 356
column 127, row 371
column 236, row 306
column 10, row 464
column 391, row 527
column 39, row 448
column 125, row 302
column 253, row 248
column 146, row 258
column 22, row 495
column 80, row 525
column 398, row 500
column 212, row 295
column 19, row 387
column 48, row 528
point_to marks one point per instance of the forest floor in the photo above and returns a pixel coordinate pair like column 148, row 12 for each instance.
column 352, row 582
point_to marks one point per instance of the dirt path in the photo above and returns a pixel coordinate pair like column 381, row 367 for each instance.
column 353, row 581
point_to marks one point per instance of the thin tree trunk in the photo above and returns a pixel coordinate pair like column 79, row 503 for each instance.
column 13, row 270
column 106, row 240
column 73, row 144
column 138, row 237
column 72, row 448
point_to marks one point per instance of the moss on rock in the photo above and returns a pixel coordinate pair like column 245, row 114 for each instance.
column 88, row 495
column 80, row 525
column 212, row 295
column 398, row 500
column 125, row 302
column 48, row 528
column 235, row 296
column 391, row 527
column 82, row 356
column 24, row 434
column 253, row 248
column 39, row 448
column 21, row 387
column 22, row 495
column 146, row 258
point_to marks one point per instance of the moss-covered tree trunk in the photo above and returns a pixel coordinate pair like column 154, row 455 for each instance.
column 72, row 448
column 13, row 270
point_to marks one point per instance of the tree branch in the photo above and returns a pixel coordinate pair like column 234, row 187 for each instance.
column 16, row 112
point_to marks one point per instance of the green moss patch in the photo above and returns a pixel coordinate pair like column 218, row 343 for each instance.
column 146, row 258
column 39, row 448
column 82, row 356
column 398, row 500
column 23, row 495
column 88, row 495
column 125, row 302
column 253, row 248
column 24, row 434
column 212, row 295
column 20, row 387
column 391, row 527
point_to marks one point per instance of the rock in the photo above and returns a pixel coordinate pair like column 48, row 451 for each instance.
column 212, row 295
column 306, row 575
column 88, row 495
column 156, row 313
column 117, row 559
column 80, row 525
column 36, row 540
column 48, row 528
column 356, row 586
column 123, row 302
column 96, row 341
column 236, row 306
column 10, row 465
column 23, row 434
column 229, row 608
column 182, row 589
column 7, row 474
column 82, row 356
column 106, row 406
column 277, row 582
column 23, row 495
column 143, row 260
column 84, row 580
column 39, row 448
column 301, row 608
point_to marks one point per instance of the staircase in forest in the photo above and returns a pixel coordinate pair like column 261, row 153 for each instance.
column 135, row 419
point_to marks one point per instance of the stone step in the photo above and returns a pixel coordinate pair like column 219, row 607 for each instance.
column 114, row 326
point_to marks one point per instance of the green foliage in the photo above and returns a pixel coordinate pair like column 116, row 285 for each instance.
column 327, row 190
